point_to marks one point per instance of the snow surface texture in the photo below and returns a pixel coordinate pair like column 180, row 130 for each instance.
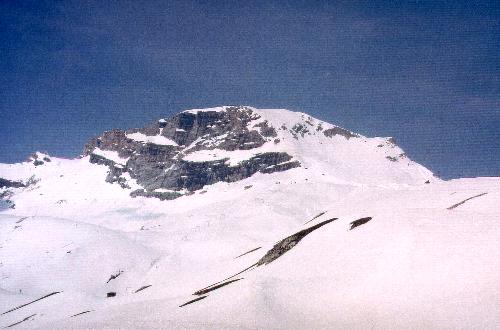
column 256, row 253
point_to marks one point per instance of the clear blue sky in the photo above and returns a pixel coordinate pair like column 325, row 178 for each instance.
column 425, row 72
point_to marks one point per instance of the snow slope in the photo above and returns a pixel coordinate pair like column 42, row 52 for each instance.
column 358, row 160
column 421, row 261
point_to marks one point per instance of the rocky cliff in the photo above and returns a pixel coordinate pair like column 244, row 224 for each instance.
column 155, row 156
column 195, row 148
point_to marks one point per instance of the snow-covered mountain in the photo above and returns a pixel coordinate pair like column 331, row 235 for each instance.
column 235, row 217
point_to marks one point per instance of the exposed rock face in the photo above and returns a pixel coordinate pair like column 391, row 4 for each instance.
column 288, row 243
column 157, row 194
column 359, row 222
column 6, row 193
column 154, row 156
column 6, row 204
column 4, row 183
column 339, row 131
column 39, row 158
column 112, row 140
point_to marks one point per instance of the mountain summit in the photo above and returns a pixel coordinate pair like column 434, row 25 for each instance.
column 179, row 155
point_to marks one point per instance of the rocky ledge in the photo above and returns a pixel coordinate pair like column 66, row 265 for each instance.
column 160, row 160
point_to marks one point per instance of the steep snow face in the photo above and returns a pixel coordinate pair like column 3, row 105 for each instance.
column 111, row 155
column 343, row 155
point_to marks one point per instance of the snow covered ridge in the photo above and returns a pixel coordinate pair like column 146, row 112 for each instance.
column 194, row 149
column 200, row 147
column 197, row 148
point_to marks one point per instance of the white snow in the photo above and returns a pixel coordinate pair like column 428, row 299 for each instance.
column 215, row 109
column 356, row 161
column 415, row 265
column 233, row 157
column 154, row 139
column 111, row 155
column 182, row 191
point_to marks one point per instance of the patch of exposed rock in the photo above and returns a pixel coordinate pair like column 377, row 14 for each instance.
column 39, row 159
column 359, row 222
column 4, row 183
column 288, row 243
column 161, row 165
column 339, row 131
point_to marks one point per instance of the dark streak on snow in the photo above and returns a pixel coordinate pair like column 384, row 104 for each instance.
column 21, row 219
column 230, row 277
column 31, row 302
column 81, row 313
column 112, row 277
column 288, row 243
column 279, row 249
column 23, row 320
column 359, row 222
column 241, row 255
column 192, row 301
column 142, row 288
column 465, row 200
column 209, row 289
column 316, row 217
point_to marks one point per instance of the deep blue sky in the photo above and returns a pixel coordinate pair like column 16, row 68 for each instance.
column 425, row 72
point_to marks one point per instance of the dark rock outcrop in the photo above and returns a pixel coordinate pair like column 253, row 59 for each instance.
column 39, row 159
column 4, row 183
column 215, row 287
column 163, row 167
column 266, row 130
column 193, row 301
column 359, row 222
column 114, row 276
column 6, row 204
column 114, row 140
column 288, row 243
column 392, row 159
column 160, row 195
column 339, row 131
column 299, row 129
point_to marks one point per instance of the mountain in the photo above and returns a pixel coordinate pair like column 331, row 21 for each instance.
column 236, row 217
column 196, row 148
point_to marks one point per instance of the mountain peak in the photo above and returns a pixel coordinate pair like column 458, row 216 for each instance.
column 194, row 148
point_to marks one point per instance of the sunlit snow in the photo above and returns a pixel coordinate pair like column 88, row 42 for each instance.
column 415, row 265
